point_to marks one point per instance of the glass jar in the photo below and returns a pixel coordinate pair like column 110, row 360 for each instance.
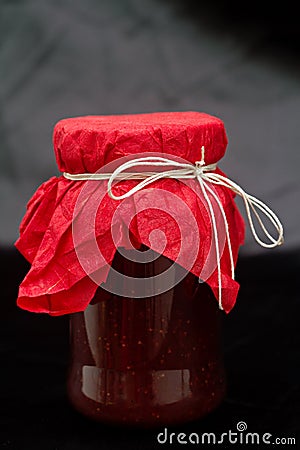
column 147, row 361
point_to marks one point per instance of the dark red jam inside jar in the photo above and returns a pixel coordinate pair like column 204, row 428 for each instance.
column 147, row 361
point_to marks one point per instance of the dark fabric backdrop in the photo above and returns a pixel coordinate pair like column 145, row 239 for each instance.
column 239, row 62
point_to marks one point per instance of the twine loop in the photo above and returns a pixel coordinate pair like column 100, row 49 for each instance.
column 206, row 177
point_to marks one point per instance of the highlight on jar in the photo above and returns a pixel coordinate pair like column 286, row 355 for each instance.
column 137, row 241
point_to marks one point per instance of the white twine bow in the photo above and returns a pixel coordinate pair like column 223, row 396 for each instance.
column 206, row 177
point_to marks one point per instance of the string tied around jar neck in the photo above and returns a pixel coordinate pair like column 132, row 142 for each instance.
column 207, row 178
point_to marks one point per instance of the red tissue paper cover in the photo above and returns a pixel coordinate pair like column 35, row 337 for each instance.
column 57, row 284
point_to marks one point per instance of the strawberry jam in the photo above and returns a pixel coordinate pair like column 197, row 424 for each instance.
column 147, row 361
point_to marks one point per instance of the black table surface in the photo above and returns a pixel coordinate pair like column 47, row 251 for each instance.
column 262, row 357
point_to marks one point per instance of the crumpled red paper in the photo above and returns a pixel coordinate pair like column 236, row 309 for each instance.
column 57, row 284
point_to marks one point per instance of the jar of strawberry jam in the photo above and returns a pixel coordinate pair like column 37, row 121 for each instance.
column 146, row 348
column 147, row 361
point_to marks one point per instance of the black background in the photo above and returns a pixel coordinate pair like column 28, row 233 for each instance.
column 261, row 335
column 261, row 340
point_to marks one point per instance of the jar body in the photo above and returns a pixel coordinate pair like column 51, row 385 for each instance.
column 147, row 361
